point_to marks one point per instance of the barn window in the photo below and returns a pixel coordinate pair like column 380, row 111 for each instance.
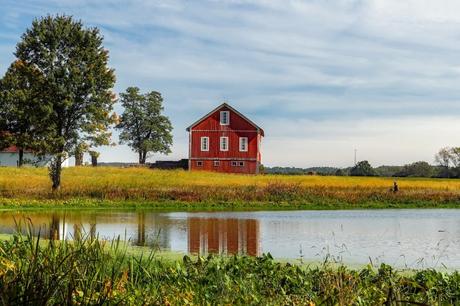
column 199, row 163
column 237, row 163
column 243, row 144
column 224, row 118
column 204, row 143
column 224, row 143
column 216, row 163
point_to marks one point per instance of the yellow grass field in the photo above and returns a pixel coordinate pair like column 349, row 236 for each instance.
column 143, row 184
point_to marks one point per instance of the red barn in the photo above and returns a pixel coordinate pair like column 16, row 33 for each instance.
column 225, row 141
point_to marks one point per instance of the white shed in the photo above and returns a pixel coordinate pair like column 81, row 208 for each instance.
column 9, row 157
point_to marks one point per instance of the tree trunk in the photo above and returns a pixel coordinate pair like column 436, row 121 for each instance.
column 78, row 159
column 94, row 160
column 142, row 157
column 55, row 172
column 21, row 157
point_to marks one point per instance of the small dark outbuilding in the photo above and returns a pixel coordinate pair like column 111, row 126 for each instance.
column 170, row 164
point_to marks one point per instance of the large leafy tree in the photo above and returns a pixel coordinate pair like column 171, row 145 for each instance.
column 75, row 89
column 362, row 168
column 143, row 127
column 443, row 158
column 20, row 108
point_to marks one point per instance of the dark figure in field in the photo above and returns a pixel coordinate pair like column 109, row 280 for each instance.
column 395, row 187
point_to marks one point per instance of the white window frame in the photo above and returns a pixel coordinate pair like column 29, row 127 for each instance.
column 199, row 163
column 234, row 163
column 221, row 143
column 227, row 114
column 204, row 148
column 241, row 163
column 216, row 163
column 245, row 149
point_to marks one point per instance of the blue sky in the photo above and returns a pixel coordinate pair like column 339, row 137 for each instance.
column 321, row 77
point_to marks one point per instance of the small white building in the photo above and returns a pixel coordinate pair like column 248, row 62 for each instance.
column 9, row 157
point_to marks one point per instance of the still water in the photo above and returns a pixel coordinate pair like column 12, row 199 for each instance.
column 404, row 238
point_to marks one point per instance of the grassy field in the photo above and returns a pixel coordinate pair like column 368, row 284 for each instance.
column 142, row 187
column 92, row 272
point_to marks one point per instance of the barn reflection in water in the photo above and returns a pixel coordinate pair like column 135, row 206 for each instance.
column 223, row 236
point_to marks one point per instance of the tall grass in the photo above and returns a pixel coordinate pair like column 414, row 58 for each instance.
column 142, row 184
column 93, row 272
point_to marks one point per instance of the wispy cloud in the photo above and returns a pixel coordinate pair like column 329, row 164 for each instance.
column 312, row 69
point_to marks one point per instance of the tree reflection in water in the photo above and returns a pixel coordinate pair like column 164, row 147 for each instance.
column 200, row 235
column 141, row 229
column 54, row 227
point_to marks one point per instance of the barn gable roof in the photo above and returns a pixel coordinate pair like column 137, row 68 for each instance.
column 233, row 110
column 13, row 149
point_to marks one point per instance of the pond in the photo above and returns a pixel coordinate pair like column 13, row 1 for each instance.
column 403, row 238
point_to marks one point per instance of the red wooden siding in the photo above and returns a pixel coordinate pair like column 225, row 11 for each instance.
column 209, row 126
column 225, row 166
column 233, row 144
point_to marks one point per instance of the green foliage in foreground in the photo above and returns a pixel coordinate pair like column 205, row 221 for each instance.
column 34, row 272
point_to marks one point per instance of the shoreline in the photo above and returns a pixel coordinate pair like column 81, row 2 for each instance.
column 77, row 203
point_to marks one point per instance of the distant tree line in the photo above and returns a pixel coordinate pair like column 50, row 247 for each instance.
column 300, row 171
column 447, row 165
